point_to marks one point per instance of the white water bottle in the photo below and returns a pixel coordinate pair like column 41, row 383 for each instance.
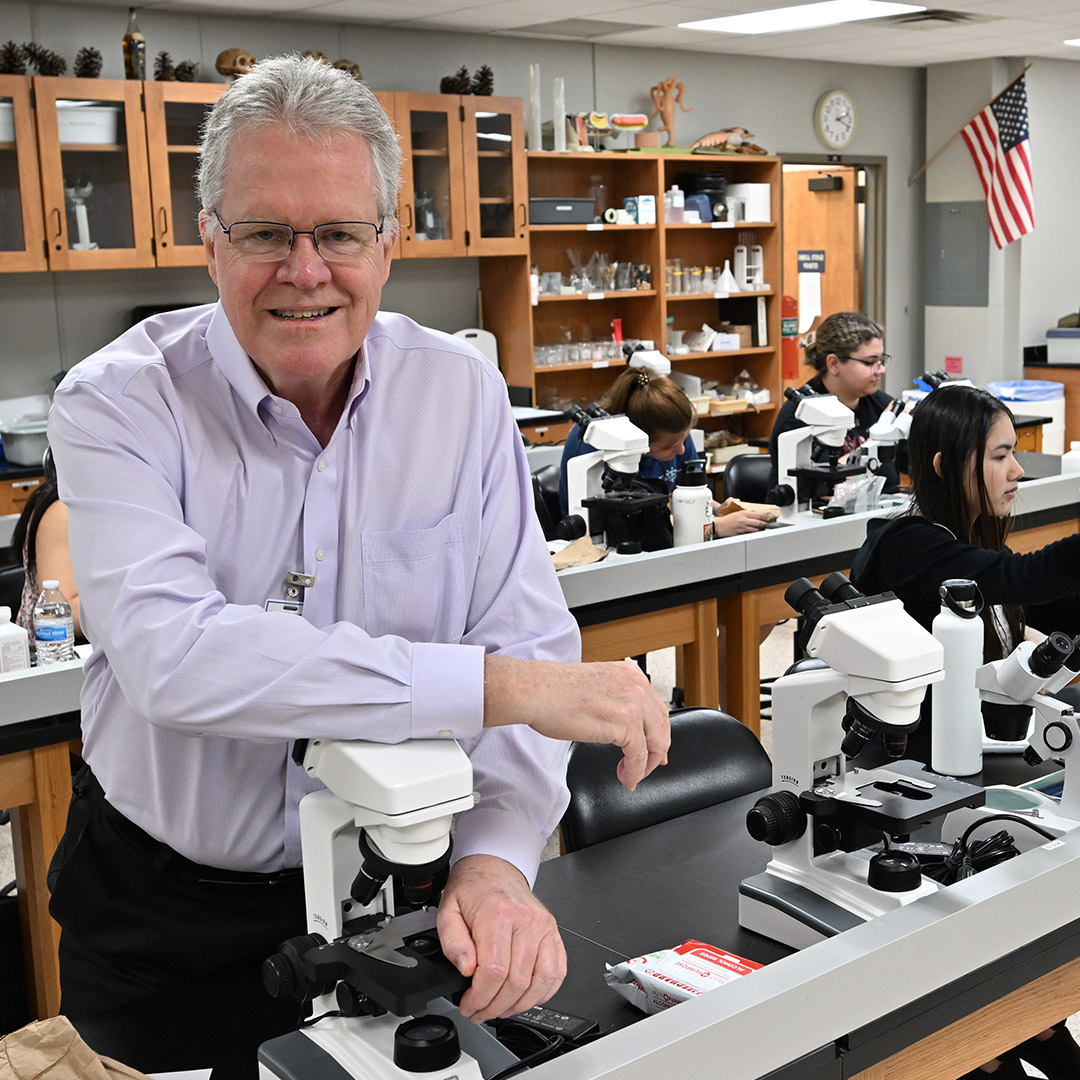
column 54, row 628
column 956, row 732
column 691, row 505
column 14, row 643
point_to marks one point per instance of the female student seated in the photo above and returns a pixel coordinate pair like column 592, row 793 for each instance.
column 40, row 536
column 965, row 479
column 659, row 407
column 848, row 352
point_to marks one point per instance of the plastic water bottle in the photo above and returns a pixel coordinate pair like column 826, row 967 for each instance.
column 956, row 733
column 691, row 505
column 54, row 628
column 14, row 643
column 1070, row 460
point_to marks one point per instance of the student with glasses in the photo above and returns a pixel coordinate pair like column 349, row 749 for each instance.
column 847, row 350
column 205, row 456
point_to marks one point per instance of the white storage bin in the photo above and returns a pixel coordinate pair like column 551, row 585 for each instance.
column 1063, row 346
column 7, row 122
column 87, row 122
column 756, row 200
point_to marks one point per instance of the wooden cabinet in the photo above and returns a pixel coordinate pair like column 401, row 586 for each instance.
column 22, row 230
column 100, row 173
column 15, row 493
column 463, row 175
column 560, row 348
column 174, row 116
column 95, row 186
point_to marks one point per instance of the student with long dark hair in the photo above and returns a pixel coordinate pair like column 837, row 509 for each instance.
column 965, row 478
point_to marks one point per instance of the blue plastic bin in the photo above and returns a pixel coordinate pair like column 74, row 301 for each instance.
column 1027, row 390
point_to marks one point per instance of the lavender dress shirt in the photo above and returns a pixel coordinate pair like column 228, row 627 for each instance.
column 192, row 491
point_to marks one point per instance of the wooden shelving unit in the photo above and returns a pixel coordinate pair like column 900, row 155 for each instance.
column 522, row 327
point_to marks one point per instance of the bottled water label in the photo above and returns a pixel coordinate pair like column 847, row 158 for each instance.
column 54, row 628
column 57, row 631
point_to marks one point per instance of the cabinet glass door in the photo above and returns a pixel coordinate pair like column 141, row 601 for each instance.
column 22, row 236
column 433, row 188
column 495, row 184
column 174, row 116
column 92, row 145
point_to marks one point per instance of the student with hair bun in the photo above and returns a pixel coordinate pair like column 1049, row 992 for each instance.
column 660, row 408
column 848, row 353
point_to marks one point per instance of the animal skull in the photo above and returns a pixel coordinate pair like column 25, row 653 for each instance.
column 234, row 62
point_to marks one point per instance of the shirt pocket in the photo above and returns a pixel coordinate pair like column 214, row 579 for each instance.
column 415, row 583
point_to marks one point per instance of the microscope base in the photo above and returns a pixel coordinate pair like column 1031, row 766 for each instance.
column 790, row 913
column 362, row 1048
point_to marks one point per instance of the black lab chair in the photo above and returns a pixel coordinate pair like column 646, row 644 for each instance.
column 713, row 758
column 746, row 476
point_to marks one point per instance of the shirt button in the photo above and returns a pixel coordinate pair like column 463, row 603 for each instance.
column 277, row 409
column 321, row 466
column 320, row 555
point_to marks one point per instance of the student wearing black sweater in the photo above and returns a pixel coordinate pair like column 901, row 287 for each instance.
column 965, row 478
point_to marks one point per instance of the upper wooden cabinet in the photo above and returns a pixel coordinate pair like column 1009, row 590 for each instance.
column 22, row 232
column 463, row 175
column 174, row 116
column 95, row 187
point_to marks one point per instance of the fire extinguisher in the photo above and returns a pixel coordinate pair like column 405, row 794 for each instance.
column 789, row 339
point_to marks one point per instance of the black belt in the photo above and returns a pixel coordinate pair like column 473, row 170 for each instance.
column 164, row 857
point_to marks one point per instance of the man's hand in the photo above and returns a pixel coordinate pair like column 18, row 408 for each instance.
column 599, row 703
column 492, row 928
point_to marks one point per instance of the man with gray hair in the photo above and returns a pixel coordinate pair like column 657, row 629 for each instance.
column 204, row 456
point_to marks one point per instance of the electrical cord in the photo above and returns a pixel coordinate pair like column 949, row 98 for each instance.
column 966, row 859
column 517, row 1039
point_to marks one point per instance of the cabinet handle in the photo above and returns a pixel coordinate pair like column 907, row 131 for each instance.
column 59, row 222
column 409, row 226
column 163, row 217
column 524, row 217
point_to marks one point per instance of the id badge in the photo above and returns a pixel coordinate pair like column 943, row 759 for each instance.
column 290, row 607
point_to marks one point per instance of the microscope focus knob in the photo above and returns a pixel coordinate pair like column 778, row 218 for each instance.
column 1057, row 737
column 283, row 973
column 781, row 495
column 776, row 818
column 571, row 527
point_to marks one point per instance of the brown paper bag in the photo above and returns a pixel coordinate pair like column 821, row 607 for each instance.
column 580, row 553
column 52, row 1048
column 767, row 510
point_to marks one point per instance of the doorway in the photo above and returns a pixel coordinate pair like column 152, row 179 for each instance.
column 833, row 238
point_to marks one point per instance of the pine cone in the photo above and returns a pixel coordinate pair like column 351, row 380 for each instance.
column 458, row 83
column 186, row 71
column 45, row 61
column 87, row 63
column 483, row 83
column 163, row 67
column 12, row 59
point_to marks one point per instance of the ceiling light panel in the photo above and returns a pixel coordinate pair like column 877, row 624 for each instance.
column 803, row 17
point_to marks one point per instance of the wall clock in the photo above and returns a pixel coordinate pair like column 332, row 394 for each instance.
column 835, row 118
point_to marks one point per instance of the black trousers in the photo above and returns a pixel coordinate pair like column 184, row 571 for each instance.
column 160, row 959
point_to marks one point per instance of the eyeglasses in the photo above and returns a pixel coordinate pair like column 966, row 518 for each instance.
column 881, row 361
column 270, row 241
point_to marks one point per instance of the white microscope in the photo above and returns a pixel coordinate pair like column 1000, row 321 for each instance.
column 385, row 813
column 886, row 433
column 800, row 478
column 605, row 497
column 1016, row 702
column 870, row 664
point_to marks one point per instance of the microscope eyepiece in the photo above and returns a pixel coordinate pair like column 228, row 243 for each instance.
column 803, row 595
column 1050, row 655
column 836, row 589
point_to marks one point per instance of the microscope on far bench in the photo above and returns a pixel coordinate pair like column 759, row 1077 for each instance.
column 869, row 664
column 385, row 814
column 801, row 480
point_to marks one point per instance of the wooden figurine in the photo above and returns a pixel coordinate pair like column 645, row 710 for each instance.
column 665, row 96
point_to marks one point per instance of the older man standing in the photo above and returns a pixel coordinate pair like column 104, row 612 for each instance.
column 207, row 454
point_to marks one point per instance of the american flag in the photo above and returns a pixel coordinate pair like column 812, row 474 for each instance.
column 999, row 145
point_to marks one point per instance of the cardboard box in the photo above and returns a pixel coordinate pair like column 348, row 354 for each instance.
column 745, row 333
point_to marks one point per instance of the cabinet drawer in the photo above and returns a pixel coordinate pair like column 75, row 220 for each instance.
column 14, row 493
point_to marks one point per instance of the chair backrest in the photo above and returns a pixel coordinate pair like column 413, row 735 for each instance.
column 11, row 587
column 545, row 484
column 746, row 476
column 713, row 758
